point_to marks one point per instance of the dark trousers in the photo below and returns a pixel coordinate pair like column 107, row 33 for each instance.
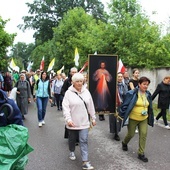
column 163, row 114
column 73, row 136
column 66, row 135
column 58, row 98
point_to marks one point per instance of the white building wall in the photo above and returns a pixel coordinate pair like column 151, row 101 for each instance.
column 155, row 75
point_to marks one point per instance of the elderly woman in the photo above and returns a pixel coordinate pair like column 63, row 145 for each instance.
column 77, row 107
column 114, row 122
column 137, row 108
column 23, row 94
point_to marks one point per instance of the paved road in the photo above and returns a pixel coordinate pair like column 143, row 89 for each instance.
column 51, row 149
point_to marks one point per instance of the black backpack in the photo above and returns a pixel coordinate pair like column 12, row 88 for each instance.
column 6, row 110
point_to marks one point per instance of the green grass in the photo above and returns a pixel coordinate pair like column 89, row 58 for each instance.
column 156, row 111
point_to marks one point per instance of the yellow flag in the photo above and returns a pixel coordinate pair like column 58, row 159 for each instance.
column 51, row 65
column 12, row 64
column 59, row 71
column 76, row 57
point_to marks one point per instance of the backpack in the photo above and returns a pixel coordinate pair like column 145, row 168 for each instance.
column 6, row 109
column 6, row 113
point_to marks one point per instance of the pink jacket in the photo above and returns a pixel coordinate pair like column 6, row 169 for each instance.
column 74, row 108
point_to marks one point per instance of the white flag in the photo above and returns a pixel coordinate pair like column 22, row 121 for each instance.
column 76, row 58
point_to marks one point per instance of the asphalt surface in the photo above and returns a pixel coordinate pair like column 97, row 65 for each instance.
column 51, row 149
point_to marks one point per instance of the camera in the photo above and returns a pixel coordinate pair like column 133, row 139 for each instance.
column 144, row 112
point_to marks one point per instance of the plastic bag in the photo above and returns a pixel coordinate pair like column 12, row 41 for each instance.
column 14, row 147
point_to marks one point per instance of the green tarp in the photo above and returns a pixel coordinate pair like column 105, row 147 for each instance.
column 14, row 147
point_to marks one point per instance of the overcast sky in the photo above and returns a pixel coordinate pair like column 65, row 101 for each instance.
column 18, row 8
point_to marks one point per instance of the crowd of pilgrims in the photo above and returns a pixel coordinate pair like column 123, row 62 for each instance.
column 58, row 84
column 125, row 83
column 24, row 82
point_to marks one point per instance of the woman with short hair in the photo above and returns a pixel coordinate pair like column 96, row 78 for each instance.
column 137, row 109
column 77, row 107
column 23, row 96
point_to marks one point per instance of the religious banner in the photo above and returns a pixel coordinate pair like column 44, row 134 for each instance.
column 103, row 81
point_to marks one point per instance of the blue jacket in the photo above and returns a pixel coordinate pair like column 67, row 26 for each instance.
column 130, row 101
column 16, row 116
column 43, row 88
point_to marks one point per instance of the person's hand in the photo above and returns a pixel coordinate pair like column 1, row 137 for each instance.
column 29, row 100
column 18, row 92
column 94, row 122
column 50, row 100
column 116, row 114
column 71, row 124
column 34, row 99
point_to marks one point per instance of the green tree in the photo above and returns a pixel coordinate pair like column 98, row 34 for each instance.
column 137, row 40
column 46, row 14
column 21, row 52
column 6, row 41
column 76, row 29
column 44, row 50
column 81, row 30
column 129, row 34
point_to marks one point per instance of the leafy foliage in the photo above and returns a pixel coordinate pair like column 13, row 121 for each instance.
column 46, row 14
column 6, row 41
column 81, row 30
column 137, row 40
column 77, row 29
column 61, row 26
column 44, row 50
column 21, row 52
column 129, row 34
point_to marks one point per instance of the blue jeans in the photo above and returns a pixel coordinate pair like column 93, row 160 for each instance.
column 41, row 107
column 83, row 141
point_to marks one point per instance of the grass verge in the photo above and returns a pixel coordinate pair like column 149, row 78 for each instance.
column 156, row 111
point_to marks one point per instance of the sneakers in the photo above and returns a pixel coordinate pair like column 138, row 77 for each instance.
column 136, row 131
column 142, row 158
column 40, row 124
column 72, row 156
column 156, row 122
column 87, row 165
column 167, row 127
column 124, row 147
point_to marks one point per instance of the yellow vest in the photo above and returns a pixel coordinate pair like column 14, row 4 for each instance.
column 140, row 106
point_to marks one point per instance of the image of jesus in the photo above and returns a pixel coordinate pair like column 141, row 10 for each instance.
column 102, row 93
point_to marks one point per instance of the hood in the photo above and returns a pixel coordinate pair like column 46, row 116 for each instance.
column 71, row 88
column 3, row 96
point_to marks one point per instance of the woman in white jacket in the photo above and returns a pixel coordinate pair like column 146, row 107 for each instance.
column 77, row 107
